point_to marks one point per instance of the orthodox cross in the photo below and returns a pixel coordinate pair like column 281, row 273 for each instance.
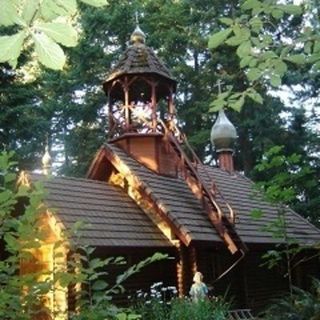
column 219, row 83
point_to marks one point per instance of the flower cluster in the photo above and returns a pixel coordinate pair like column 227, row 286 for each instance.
column 157, row 292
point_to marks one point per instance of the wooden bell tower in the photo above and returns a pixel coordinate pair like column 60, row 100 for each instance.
column 140, row 92
column 142, row 122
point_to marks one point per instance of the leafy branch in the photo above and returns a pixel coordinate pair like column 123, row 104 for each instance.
column 264, row 54
column 45, row 25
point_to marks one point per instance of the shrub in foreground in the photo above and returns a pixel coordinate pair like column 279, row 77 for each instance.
column 162, row 303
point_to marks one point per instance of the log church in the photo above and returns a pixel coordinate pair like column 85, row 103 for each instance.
column 147, row 191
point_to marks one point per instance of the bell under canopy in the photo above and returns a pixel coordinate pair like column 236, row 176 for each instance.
column 140, row 90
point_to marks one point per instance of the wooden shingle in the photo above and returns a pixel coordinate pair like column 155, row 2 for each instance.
column 186, row 212
column 110, row 217
column 240, row 193
column 139, row 59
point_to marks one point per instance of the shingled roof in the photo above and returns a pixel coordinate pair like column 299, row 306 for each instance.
column 186, row 212
column 241, row 194
column 111, row 218
column 137, row 59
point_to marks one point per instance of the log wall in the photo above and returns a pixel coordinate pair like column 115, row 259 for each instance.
column 250, row 285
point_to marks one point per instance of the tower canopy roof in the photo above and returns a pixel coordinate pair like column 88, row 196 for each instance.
column 139, row 59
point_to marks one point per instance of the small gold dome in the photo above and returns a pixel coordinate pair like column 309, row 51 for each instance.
column 137, row 36
column 46, row 161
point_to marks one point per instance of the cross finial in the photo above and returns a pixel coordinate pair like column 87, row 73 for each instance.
column 219, row 83
column 138, row 36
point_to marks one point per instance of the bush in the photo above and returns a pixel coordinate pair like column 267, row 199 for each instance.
column 21, row 238
column 162, row 303
column 303, row 305
column 184, row 309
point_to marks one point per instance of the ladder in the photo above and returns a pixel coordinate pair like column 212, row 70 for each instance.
column 222, row 224
column 191, row 175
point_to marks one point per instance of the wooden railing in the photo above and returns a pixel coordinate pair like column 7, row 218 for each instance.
column 221, row 223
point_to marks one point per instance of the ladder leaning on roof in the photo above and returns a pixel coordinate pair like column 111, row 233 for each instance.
column 221, row 223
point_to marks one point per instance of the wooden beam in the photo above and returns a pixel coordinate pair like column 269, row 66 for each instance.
column 146, row 192
column 154, row 106
column 182, row 271
column 193, row 259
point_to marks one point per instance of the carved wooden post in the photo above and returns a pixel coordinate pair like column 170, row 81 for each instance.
column 193, row 259
column 154, row 106
column 171, row 111
column 110, row 114
column 182, row 270
column 126, row 104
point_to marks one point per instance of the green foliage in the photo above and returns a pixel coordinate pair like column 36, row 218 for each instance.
column 257, row 33
column 10, row 47
column 161, row 303
column 40, row 25
column 94, row 298
column 285, row 174
column 203, row 310
column 216, row 39
column 18, row 235
column 23, row 234
column 302, row 305
column 235, row 100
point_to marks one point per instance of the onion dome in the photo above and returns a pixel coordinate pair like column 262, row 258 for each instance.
column 139, row 59
column 137, row 36
column 46, row 161
column 223, row 133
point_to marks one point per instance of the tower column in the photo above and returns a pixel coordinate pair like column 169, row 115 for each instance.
column 154, row 106
column 225, row 160
column 126, row 104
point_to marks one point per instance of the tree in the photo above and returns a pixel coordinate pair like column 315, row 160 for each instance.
column 42, row 24
column 258, row 32
column 26, row 280
column 283, row 183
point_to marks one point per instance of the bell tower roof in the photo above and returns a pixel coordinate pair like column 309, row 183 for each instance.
column 139, row 59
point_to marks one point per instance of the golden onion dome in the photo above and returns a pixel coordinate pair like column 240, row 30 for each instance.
column 138, row 36
column 46, row 161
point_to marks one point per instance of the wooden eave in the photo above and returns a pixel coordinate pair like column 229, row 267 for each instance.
column 105, row 154
column 110, row 218
column 178, row 206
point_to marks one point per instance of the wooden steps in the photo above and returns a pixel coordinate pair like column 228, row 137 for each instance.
column 240, row 314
